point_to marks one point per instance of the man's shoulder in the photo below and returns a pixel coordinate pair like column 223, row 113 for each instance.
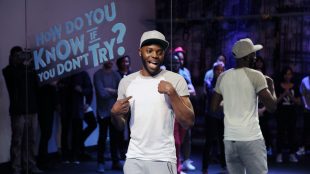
column 130, row 77
column 254, row 73
column 253, row 70
column 167, row 73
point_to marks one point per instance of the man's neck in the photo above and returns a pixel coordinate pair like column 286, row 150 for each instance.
column 241, row 66
column 144, row 72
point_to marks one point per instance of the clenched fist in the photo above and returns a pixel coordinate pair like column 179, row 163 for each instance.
column 165, row 87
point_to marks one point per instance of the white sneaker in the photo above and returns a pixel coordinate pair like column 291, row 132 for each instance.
column 182, row 172
column 187, row 165
column 76, row 162
column 279, row 158
column 301, row 151
column 293, row 158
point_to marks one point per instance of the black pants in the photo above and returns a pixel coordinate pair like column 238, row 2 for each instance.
column 77, row 129
column 65, row 135
column 71, row 140
column 90, row 120
column 115, row 140
column 214, row 135
column 264, row 125
column 286, row 126
column 306, row 130
column 45, row 119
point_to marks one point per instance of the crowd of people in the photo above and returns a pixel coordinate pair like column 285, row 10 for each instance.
column 147, row 115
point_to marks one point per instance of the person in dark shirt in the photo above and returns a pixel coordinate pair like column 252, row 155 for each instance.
column 21, row 83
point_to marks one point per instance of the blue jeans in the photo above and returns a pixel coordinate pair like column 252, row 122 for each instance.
column 246, row 156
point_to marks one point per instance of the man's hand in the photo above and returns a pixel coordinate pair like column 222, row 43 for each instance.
column 165, row 87
column 121, row 106
column 119, row 111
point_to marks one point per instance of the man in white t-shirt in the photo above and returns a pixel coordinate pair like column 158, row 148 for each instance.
column 155, row 98
column 240, row 88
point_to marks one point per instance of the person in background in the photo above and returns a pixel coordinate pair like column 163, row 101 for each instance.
column 183, row 71
column 65, row 111
column 186, row 144
column 173, row 64
column 106, row 82
column 89, row 118
column 239, row 88
column 72, row 91
column 214, row 126
column 123, row 66
column 21, row 83
column 47, row 100
column 81, row 88
column 289, row 98
column 264, row 115
column 305, row 96
column 209, row 74
column 156, row 98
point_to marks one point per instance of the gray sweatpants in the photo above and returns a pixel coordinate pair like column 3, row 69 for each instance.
column 135, row 166
column 248, row 157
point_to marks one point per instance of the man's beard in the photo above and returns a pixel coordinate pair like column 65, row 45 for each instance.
column 152, row 73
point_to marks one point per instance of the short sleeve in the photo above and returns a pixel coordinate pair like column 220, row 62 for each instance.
column 259, row 82
column 181, row 87
column 121, row 90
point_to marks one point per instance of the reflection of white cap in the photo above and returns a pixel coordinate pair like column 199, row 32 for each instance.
column 244, row 47
column 154, row 37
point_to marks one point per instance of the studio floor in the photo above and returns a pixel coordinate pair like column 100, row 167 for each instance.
column 89, row 166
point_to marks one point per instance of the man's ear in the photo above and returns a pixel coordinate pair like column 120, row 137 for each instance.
column 140, row 54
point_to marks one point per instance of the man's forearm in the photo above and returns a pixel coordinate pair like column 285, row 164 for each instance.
column 183, row 111
column 118, row 121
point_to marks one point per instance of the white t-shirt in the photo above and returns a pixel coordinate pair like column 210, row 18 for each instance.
column 239, row 88
column 152, row 117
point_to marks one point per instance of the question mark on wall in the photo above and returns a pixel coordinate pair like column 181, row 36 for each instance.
column 121, row 28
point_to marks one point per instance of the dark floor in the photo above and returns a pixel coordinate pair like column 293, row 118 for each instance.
column 89, row 167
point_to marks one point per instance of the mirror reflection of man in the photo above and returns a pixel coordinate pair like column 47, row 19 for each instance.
column 240, row 88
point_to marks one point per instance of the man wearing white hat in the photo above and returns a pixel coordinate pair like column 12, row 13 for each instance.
column 155, row 98
column 240, row 88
